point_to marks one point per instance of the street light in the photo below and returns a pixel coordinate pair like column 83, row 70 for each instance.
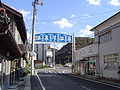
column 36, row 2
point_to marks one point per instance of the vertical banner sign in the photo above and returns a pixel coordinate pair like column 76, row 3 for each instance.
column 53, row 37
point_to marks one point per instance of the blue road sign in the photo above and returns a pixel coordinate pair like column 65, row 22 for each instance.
column 53, row 37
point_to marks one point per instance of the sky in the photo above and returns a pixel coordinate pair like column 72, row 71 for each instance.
column 66, row 16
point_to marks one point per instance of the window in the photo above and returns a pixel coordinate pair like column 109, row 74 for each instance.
column 106, row 37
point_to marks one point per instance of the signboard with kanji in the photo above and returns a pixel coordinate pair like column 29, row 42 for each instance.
column 53, row 37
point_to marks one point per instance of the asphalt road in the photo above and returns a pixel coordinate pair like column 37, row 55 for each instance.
column 57, row 79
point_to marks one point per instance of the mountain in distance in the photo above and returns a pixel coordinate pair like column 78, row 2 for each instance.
column 64, row 55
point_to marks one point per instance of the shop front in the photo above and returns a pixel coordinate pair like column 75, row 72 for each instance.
column 92, row 66
column 88, row 66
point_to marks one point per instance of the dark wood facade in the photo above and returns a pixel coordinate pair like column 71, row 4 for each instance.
column 8, row 45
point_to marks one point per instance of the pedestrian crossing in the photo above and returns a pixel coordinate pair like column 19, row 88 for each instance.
column 52, row 72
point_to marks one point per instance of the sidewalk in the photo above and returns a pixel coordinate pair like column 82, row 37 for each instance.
column 27, row 83
column 104, row 80
column 22, row 85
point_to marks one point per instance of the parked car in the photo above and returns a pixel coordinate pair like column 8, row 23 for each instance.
column 50, row 65
column 68, row 65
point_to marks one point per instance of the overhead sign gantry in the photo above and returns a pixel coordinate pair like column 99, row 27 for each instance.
column 53, row 37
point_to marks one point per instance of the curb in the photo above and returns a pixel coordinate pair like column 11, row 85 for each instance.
column 96, row 80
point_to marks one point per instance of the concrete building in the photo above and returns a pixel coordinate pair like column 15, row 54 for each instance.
column 86, row 60
column 12, row 45
column 50, row 57
column 44, row 55
column 40, row 50
column 107, row 37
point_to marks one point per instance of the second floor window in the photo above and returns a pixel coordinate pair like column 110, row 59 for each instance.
column 106, row 37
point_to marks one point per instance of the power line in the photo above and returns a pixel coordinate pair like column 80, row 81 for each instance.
column 96, row 14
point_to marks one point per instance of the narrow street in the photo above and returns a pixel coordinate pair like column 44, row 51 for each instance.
column 52, row 79
column 60, row 45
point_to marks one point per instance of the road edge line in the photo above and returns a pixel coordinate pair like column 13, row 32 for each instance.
column 40, row 82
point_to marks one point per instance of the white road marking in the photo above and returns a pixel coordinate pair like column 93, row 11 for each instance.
column 47, row 75
column 60, row 72
column 96, row 81
column 55, row 72
column 50, row 72
column 40, row 82
column 46, row 72
column 85, row 88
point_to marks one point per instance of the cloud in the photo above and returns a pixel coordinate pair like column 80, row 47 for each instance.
column 26, row 14
column 86, row 32
column 29, row 37
column 43, row 23
column 63, row 23
column 85, row 16
column 115, row 2
column 57, row 46
column 72, row 16
column 94, row 2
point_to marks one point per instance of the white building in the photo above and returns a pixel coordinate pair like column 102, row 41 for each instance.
column 40, row 50
column 107, row 36
column 44, row 55
column 49, row 55
column 86, row 60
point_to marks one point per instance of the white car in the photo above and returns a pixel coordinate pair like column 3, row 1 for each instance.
column 68, row 65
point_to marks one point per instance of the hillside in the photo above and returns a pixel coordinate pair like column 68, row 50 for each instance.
column 64, row 55
column 82, row 42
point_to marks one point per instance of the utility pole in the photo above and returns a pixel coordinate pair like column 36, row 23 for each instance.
column 36, row 2
column 73, row 53
column 54, row 55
